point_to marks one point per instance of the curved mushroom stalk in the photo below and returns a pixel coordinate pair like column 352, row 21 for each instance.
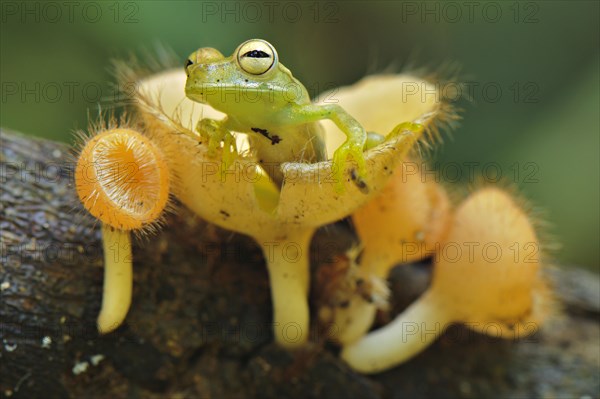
column 241, row 199
column 406, row 336
column 478, row 279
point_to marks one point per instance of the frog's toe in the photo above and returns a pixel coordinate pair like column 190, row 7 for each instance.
column 359, row 182
column 213, row 144
column 340, row 158
column 373, row 140
column 229, row 150
column 407, row 126
column 214, row 140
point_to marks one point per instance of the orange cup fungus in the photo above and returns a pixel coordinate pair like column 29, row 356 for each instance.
column 123, row 180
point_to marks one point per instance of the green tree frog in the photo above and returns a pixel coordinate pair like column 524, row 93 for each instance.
column 260, row 97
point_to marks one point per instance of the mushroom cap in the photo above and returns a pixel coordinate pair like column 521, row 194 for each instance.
column 122, row 179
column 406, row 220
column 238, row 199
column 380, row 102
column 487, row 269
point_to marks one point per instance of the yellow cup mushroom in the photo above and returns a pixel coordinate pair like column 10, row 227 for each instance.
column 404, row 223
column 122, row 179
column 238, row 195
column 486, row 275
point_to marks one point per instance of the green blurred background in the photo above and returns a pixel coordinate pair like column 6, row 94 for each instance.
column 532, row 70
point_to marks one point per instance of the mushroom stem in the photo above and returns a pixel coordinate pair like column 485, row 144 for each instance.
column 419, row 211
column 356, row 320
column 410, row 333
column 288, row 266
column 118, row 279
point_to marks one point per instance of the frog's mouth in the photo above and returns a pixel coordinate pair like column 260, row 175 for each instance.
column 195, row 94
column 236, row 92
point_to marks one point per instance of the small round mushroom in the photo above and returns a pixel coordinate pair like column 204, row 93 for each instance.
column 122, row 179
column 486, row 275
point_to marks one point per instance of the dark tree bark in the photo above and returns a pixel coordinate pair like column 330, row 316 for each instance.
column 199, row 325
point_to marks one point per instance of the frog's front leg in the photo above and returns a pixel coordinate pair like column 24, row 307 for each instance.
column 356, row 136
column 215, row 132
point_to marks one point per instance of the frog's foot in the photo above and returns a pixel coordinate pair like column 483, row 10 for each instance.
column 212, row 132
column 406, row 126
column 340, row 157
column 229, row 150
column 373, row 140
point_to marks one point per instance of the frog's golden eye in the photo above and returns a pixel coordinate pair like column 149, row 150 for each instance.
column 256, row 56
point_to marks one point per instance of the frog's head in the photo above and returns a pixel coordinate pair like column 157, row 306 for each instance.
column 251, row 75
